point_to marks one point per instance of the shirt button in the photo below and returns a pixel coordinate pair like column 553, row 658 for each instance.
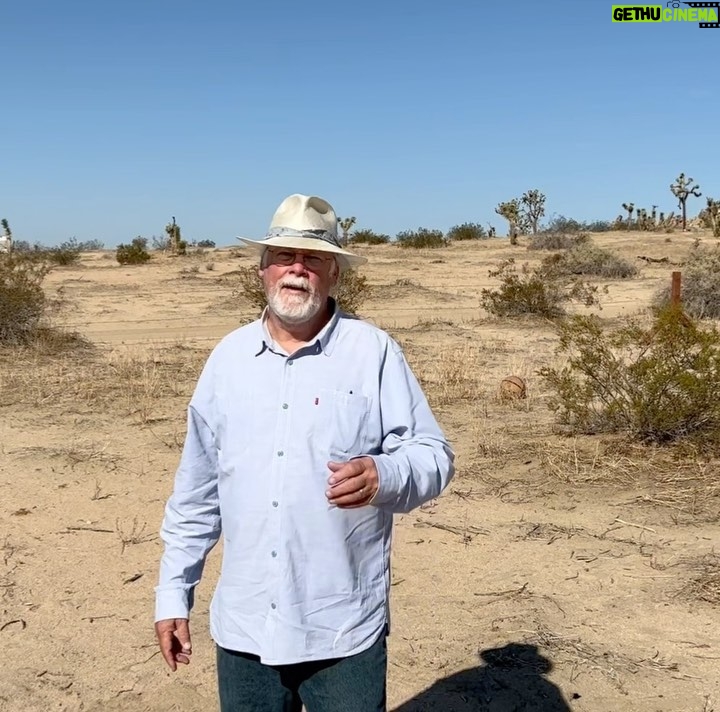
column 290, row 362
column 274, row 554
column 285, row 406
column 280, row 453
column 275, row 504
column 273, row 606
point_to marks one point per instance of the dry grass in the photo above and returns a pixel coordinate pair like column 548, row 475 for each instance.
column 131, row 383
column 582, row 462
column 705, row 585
column 453, row 374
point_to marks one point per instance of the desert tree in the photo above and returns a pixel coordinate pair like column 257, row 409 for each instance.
column 346, row 224
column 6, row 241
column 510, row 210
column 629, row 207
column 710, row 216
column 533, row 206
column 175, row 243
column 682, row 189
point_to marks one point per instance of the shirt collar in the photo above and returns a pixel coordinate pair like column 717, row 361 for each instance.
column 323, row 341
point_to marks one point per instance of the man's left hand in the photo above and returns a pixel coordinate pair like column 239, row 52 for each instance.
column 353, row 483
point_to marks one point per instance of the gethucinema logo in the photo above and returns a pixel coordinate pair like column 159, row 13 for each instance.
column 704, row 13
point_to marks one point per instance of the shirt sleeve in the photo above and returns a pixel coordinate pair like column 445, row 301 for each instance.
column 191, row 526
column 416, row 462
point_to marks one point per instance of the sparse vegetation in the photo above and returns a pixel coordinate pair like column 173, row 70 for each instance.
column 467, row 231
column 422, row 237
column 591, row 261
column 207, row 244
column 700, row 284
column 133, row 254
column 537, row 292
column 556, row 241
column 368, row 237
column 657, row 383
column 22, row 299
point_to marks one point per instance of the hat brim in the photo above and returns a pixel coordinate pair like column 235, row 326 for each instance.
column 346, row 259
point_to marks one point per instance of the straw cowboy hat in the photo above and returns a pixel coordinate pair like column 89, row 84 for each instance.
column 306, row 222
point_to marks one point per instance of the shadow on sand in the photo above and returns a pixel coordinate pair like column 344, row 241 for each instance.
column 512, row 679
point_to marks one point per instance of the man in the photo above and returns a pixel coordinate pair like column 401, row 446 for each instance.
column 306, row 432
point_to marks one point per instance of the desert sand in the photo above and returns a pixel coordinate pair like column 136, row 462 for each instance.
column 555, row 573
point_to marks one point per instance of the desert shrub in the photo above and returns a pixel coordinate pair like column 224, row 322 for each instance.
column 422, row 237
column 133, row 254
column 368, row 237
column 352, row 289
column 467, row 231
column 565, row 225
column 22, row 300
column 537, row 292
column 66, row 253
column 556, row 240
column 160, row 242
column 657, row 383
column 700, row 284
column 206, row 243
column 90, row 245
column 590, row 260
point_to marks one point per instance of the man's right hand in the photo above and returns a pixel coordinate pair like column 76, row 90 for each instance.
column 173, row 635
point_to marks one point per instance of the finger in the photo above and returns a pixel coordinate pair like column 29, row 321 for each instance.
column 353, row 468
column 347, row 486
column 351, row 501
column 182, row 633
column 165, row 639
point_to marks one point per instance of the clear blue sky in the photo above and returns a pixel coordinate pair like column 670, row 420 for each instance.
column 116, row 116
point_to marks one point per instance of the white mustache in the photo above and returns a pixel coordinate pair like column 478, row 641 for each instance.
column 299, row 282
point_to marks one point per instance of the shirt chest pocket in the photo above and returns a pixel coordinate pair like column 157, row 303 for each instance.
column 343, row 422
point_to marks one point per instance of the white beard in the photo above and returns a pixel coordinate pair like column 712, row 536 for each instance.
column 294, row 306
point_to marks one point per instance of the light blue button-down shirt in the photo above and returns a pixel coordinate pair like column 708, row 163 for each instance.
column 300, row 579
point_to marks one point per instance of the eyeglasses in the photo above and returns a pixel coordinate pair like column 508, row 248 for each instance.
column 288, row 257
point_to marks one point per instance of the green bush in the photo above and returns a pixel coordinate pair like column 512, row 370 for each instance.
column 66, row 253
column 467, row 231
column 700, row 284
column 209, row 244
column 422, row 237
column 658, row 383
column 133, row 254
column 22, row 299
column 537, row 292
column 589, row 260
column 562, row 224
column 368, row 237
column 351, row 291
column 556, row 241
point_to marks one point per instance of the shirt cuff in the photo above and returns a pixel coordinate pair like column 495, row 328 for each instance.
column 388, row 480
column 172, row 602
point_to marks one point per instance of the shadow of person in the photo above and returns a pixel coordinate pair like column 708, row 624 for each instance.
column 511, row 680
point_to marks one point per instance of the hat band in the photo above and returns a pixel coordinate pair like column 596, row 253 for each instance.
column 323, row 235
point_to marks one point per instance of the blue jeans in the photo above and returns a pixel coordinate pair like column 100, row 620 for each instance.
column 353, row 684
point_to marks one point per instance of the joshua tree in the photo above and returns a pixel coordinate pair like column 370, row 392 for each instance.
column 533, row 202
column 7, row 241
column 173, row 232
column 682, row 189
column 629, row 207
column 510, row 210
column 710, row 216
column 346, row 225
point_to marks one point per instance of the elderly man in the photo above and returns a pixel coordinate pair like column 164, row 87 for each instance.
column 306, row 432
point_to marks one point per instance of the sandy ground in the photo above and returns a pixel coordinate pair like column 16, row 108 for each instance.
column 554, row 573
